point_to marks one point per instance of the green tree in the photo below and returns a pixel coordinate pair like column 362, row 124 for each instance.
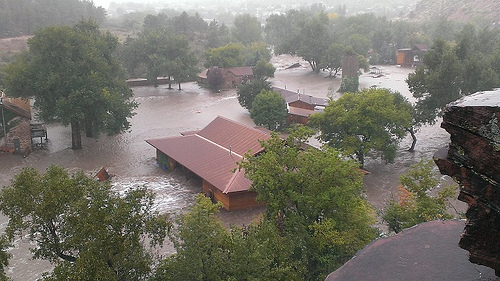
column 217, row 35
column 215, row 79
column 74, row 78
column 83, row 227
column 248, row 91
column 364, row 123
column 247, row 29
column 310, row 48
column 165, row 54
column 360, row 44
column 230, row 55
column 315, row 199
column 4, row 257
column 415, row 204
column 201, row 243
column 206, row 250
column 349, row 84
column 437, row 83
column 332, row 59
column 404, row 105
column 256, row 52
column 261, row 252
column 269, row 109
column 263, row 70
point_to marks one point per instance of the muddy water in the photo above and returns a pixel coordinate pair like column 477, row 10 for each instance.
column 164, row 113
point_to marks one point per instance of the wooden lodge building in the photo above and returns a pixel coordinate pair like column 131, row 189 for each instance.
column 211, row 154
column 412, row 57
column 301, row 106
column 233, row 76
column 20, row 134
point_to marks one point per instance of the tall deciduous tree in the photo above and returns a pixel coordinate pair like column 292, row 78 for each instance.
column 371, row 121
column 88, row 231
column 315, row 199
column 453, row 70
column 217, row 35
column 269, row 109
column 332, row 59
column 437, row 83
column 247, row 29
column 248, row 91
column 230, row 55
column 75, row 79
column 165, row 54
column 215, row 78
column 206, row 250
column 313, row 41
column 201, row 242
column 263, row 70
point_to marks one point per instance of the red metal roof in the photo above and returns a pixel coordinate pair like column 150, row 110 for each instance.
column 234, row 136
column 213, row 152
column 290, row 96
column 241, row 71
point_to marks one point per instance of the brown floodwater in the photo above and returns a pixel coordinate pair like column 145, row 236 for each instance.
column 163, row 113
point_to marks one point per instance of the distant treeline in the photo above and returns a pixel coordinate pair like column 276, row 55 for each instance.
column 23, row 17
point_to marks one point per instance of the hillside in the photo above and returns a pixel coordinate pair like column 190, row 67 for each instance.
column 482, row 12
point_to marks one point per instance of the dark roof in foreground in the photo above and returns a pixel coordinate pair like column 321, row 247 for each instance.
column 212, row 152
column 428, row 251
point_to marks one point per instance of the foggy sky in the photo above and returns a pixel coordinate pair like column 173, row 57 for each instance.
column 105, row 3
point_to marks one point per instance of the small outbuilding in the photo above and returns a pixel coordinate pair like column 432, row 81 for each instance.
column 301, row 106
column 412, row 57
column 16, row 128
column 211, row 155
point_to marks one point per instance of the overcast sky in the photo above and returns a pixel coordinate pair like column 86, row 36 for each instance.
column 105, row 3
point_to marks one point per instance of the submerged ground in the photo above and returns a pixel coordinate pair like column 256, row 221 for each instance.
column 164, row 113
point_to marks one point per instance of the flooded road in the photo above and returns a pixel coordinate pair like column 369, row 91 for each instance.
column 164, row 113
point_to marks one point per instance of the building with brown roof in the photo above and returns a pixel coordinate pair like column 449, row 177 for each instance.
column 411, row 57
column 232, row 76
column 211, row 154
column 16, row 131
column 301, row 106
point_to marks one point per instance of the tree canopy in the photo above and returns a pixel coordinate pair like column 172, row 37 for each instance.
column 453, row 69
column 414, row 203
column 164, row 54
column 74, row 78
column 237, row 54
column 269, row 109
column 368, row 122
column 314, row 197
column 248, row 91
column 82, row 225
column 247, row 29
column 206, row 250
column 230, row 55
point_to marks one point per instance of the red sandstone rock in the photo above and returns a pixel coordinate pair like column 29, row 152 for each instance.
column 473, row 160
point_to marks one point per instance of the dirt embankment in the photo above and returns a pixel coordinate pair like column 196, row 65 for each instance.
column 13, row 45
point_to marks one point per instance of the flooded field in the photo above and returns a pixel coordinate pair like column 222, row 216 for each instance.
column 164, row 113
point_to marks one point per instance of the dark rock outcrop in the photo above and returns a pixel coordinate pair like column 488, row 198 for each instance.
column 427, row 251
column 473, row 160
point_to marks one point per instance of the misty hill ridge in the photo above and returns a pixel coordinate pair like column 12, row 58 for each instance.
column 484, row 12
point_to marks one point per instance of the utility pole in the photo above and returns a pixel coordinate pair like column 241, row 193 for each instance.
column 3, row 119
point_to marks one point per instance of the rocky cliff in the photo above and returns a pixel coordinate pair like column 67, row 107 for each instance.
column 473, row 160
column 484, row 12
